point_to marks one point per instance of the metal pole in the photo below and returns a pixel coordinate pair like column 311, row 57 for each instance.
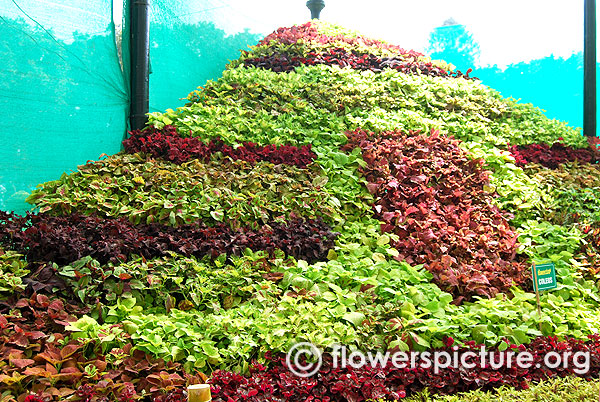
column 140, row 63
column 589, row 70
column 315, row 7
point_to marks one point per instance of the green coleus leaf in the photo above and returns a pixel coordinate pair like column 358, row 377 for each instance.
column 355, row 318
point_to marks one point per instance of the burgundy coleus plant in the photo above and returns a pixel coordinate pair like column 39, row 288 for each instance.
column 552, row 156
column 343, row 384
column 430, row 193
column 167, row 144
column 64, row 239
column 308, row 32
column 282, row 62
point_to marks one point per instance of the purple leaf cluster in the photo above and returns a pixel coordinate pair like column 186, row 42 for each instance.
column 64, row 239
column 282, row 62
column 167, row 144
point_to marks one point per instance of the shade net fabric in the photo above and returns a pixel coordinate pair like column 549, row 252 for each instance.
column 192, row 42
column 63, row 95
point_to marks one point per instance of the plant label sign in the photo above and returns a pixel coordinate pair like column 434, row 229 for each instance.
column 545, row 274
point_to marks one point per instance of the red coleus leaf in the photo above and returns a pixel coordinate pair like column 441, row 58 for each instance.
column 21, row 363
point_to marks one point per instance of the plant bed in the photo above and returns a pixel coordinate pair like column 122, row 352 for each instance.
column 328, row 188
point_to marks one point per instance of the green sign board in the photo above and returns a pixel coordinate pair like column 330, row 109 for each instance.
column 545, row 275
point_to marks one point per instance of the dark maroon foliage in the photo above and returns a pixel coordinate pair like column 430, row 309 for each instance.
column 168, row 144
column 552, row 156
column 309, row 33
column 354, row 385
column 281, row 62
column 66, row 239
column 431, row 194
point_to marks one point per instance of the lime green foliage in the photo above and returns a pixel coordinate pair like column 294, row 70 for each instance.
column 232, row 338
column 350, row 99
column 328, row 314
column 12, row 270
column 572, row 389
column 181, row 282
column 576, row 191
column 159, row 191
column 535, row 127
column 361, row 297
column 542, row 240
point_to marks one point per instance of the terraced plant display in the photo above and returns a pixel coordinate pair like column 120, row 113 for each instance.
column 328, row 188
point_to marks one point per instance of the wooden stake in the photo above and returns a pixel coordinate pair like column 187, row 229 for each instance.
column 199, row 393
column 537, row 294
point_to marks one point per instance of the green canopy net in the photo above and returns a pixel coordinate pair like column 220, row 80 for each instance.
column 63, row 94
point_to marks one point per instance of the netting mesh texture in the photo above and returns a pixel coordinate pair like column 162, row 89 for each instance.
column 63, row 96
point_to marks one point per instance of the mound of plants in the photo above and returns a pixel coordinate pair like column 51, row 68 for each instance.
column 328, row 188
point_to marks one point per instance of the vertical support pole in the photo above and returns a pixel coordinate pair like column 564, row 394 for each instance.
column 537, row 294
column 589, row 70
column 140, row 63
column 315, row 7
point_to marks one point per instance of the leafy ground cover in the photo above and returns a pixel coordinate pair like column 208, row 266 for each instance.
column 328, row 188
column 555, row 390
column 552, row 156
column 64, row 239
column 346, row 384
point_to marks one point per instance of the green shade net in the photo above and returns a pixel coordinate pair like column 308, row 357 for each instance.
column 190, row 43
column 63, row 96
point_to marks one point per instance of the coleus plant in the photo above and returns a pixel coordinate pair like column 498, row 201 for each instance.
column 432, row 196
column 282, row 62
column 42, row 363
column 310, row 33
column 239, row 193
column 553, row 156
column 175, row 282
column 64, row 239
column 333, row 382
column 169, row 145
